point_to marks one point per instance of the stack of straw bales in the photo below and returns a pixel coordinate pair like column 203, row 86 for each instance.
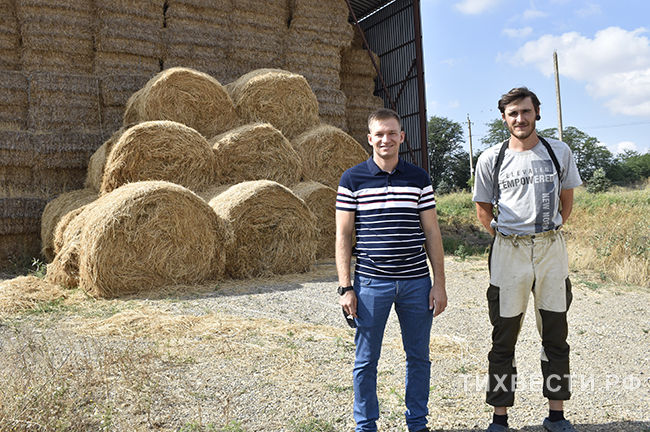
column 258, row 34
column 14, row 101
column 358, row 82
column 318, row 32
column 128, row 37
column 9, row 38
column 197, row 34
column 56, row 36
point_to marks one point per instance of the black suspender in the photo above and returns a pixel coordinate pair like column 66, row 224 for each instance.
column 499, row 161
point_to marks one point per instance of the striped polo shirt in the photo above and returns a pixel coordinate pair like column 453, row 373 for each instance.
column 387, row 206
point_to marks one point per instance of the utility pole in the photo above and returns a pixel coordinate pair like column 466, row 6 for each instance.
column 557, row 94
column 471, row 153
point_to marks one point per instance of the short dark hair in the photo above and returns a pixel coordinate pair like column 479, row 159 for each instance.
column 384, row 114
column 514, row 95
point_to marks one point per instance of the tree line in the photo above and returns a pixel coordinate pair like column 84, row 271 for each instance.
column 449, row 164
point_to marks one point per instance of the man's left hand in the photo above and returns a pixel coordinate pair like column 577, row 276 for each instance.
column 437, row 299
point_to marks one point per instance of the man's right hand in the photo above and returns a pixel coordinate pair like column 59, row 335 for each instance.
column 349, row 303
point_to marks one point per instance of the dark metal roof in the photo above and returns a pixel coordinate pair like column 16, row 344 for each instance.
column 363, row 8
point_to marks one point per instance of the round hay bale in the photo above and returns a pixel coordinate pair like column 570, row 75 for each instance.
column 275, row 232
column 321, row 200
column 275, row 96
column 132, row 109
column 150, row 234
column 187, row 96
column 255, row 151
column 57, row 209
column 64, row 268
column 98, row 160
column 326, row 152
column 160, row 150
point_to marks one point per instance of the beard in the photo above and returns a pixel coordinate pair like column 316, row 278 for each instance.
column 522, row 134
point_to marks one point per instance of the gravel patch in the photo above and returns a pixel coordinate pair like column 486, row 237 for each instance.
column 274, row 354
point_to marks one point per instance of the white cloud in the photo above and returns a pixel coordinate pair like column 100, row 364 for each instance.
column 588, row 10
column 621, row 147
column 626, row 145
column 474, row 7
column 614, row 65
column 530, row 14
column 454, row 104
column 517, row 32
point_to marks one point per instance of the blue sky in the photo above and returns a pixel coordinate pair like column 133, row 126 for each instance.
column 476, row 50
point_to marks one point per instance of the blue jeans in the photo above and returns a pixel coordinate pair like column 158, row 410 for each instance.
column 375, row 299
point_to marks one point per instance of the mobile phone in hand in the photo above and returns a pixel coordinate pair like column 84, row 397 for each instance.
column 351, row 322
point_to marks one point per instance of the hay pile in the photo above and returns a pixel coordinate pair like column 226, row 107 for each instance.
column 27, row 292
column 321, row 200
column 326, row 152
column 55, row 210
column 186, row 96
column 275, row 96
column 255, row 151
column 145, row 235
column 275, row 232
column 159, row 150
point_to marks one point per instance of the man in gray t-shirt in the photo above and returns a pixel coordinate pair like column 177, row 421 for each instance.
column 533, row 196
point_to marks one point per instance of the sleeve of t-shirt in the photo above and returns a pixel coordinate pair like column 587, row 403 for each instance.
column 427, row 199
column 571, row 176
column 483, row 189
column 345, row 198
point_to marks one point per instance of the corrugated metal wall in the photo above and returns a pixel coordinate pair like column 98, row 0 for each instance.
column 394, row 34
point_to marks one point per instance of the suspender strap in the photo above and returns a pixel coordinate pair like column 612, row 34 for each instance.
column 553, row 157
column 495, row 176
column 497, row 168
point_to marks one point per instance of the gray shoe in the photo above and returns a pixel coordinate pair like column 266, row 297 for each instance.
column 558, row 426
column 496, row 428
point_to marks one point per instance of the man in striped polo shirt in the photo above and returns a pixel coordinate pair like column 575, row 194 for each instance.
column 389, row 204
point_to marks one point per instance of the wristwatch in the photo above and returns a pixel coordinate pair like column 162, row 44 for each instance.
column 342, row 290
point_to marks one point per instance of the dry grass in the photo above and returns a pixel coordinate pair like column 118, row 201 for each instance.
column 609, row 234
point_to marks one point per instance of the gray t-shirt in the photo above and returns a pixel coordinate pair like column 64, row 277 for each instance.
column 530, row 193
